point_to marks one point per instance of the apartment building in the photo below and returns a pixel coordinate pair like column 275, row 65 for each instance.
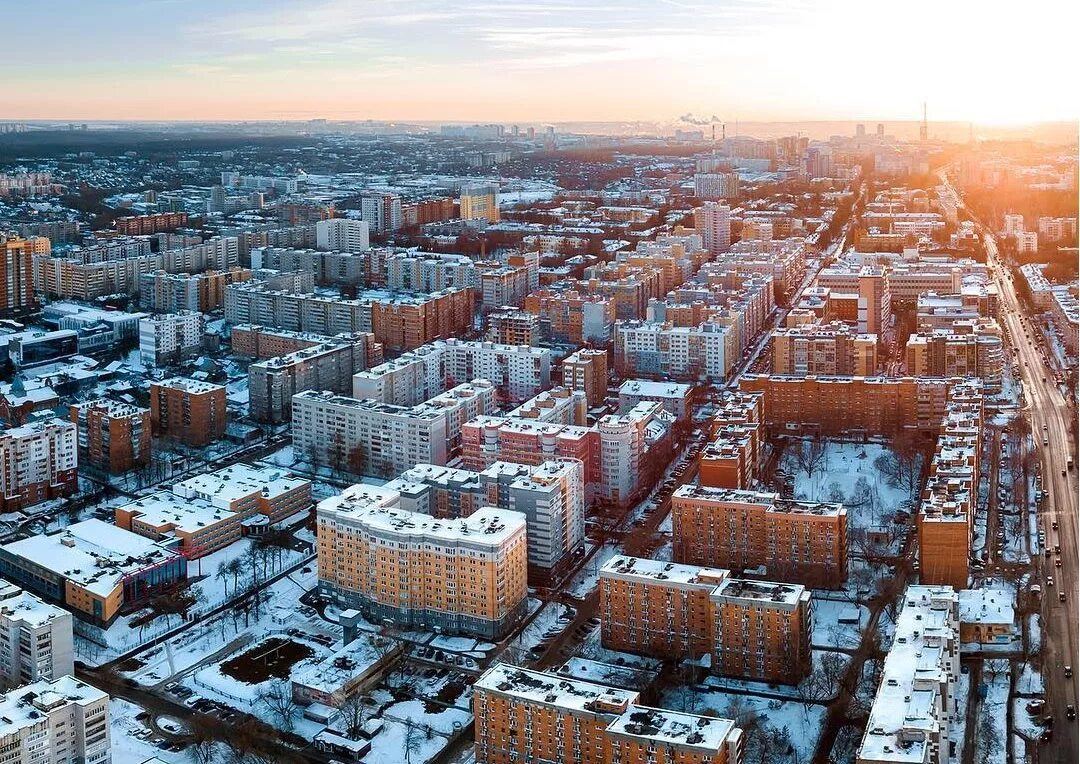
column 674, row 398
column 559, row 405
column 513, row 326
column 966, row 349
column 519, row 372
column 399, row 321
column 38, row 461
column 426, row 211
column 804, row 542
column 144, row 225
column 188, row 410
column 879, row 405
column 93, row 568
column 479, row 201
column 622, row 454
column 162, row 292
column 712, row 222
column 342, row 234
column 833, row 349
column 208, row 512
column 56, row 721
column 587, row 370
column 367, row 437
column 916, row 699
column 272, row 383
column 113, row 436
column 571, row 316
column 714, row 186
column 17, row 275
column 465, row 575
column 870, row 285
column 382, row 212
column 751, row 629
column 169, row 338
column 36, row 642
column 527, row 715
column 682, row 353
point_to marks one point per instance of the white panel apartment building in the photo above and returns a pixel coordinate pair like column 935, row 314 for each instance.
column 59, row 722
column 648, row 349
column 368, row 437
column 909, row 720
column 342, row 235
column 519, row 371
column 35, row 638
column 170, row 337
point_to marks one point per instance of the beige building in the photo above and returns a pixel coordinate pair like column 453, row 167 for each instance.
column 824, row 350
column 465, row 575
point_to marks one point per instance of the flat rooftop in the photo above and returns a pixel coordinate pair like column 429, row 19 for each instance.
column 654, row 724
column 623, row 566
column 552, row 690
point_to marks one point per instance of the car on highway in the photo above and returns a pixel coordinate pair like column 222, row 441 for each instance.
column 1068, row 672
column 1053, row 524
column 1070, row 712
column 1049, row 580
column 1061, row 596
column 1057, row 563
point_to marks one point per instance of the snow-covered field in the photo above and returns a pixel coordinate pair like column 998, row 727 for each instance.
column 837, row 623
column 990, row 739
column 131, row 739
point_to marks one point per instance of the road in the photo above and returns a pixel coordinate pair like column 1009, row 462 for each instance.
column 1049, row 414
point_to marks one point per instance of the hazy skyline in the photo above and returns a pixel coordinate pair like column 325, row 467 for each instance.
column 552, row 60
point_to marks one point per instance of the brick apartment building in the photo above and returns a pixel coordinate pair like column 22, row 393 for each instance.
column 17, row 275
column 796, row 541
column 143, row 225
column 587, row 370
column 526, row 715
column 188, row 411
column 113, row 436
column 38, row 461
column 752, row 629
column 466, row 575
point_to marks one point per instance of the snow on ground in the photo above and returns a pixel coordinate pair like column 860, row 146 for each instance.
column 803, row 722
column 1022, row 720
column 837, row 623
column 747, row 686
column 848, row 473
column 957, row 728
column 588, row 578
column 389, row 744
column 990, row 732
column 1030, row 682
column 1034, row 633
column 546, row 624
column 131, row 738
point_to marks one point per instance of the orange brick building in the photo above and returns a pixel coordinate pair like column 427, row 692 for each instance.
column 743, row 530
column 17, row 274
column 142, row 225
column 113, row 436
column 401, row 324
column 752, row 629
column 525, row 715
column 187, row 410
column 587, row 370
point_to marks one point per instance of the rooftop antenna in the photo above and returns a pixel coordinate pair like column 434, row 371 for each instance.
column 923, row 131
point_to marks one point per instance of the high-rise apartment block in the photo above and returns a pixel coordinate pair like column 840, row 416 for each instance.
column 163, row 292
column 465, row 575
column 712, row 222
column 144, row 225
column 526, row 715
column 714, row 186
column 587, row 370
column 187, row 410
column 752, row 629
column 825, row 350
column 519, row 372
column 60, row 720
column 512, row 326
column 113, row 436
column 38, row 461
column 382, row 212
column 330, row 366
column 16, row 275
column 797, row 541
column 967, row 349
column 342, row 235
column 367, row 437
column 480, row 201
column 36, row 642
column 171, row 337
column 551, row 495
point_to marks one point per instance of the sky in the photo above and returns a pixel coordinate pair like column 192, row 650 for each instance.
column 991, row 62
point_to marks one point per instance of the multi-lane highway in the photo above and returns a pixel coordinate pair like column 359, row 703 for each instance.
column 1049, row 413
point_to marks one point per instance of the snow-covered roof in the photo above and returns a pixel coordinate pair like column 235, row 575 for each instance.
column 654, row 724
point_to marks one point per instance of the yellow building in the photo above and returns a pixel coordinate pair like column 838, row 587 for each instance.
column 465, row 575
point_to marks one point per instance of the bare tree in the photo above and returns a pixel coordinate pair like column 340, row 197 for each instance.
column 809, row 454
column 412, row 742
column 354, row 714
column 277, row 698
